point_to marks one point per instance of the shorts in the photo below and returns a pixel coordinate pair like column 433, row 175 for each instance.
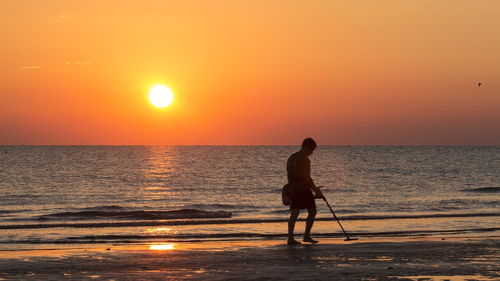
column 302, row 199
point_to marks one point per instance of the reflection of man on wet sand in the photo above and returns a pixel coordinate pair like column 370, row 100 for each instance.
column 301, row 186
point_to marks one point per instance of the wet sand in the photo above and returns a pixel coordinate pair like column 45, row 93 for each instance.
column 367, row 259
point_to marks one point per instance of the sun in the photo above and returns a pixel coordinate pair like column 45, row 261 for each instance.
column 161, row 96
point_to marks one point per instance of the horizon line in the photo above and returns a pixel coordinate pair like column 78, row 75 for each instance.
column 298, row 144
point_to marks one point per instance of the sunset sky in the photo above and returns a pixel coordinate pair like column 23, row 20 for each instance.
column 352, row 72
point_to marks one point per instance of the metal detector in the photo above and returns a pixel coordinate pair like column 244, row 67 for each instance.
column 335, row 216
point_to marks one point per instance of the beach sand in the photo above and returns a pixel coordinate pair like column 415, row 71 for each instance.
column 414, row 258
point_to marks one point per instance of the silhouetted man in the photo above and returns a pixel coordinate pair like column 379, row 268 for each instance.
column 301, row 186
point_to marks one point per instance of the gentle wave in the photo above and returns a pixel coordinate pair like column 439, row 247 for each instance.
column 11, row 211
column 104, row 207
column 484, row 189
column 226, row 206
column 282, row 211
column 136, row 215
column 231, row 221
column 96, row 239
column 421, row 216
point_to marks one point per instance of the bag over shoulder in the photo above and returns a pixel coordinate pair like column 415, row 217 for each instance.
column 285, row 194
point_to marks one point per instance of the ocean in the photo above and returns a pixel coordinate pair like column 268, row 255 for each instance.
column 75, row 195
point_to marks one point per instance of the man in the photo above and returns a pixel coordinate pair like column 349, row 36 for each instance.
column 301, row 186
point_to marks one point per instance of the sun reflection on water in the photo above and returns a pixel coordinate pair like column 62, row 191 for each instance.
column 160, row 172
column 162, row 247
column 159, row 230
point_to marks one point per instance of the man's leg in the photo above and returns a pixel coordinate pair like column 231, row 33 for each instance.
column 311, row 215
column 294, row 214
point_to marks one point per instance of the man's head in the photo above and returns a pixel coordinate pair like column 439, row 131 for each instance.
column 309, row 145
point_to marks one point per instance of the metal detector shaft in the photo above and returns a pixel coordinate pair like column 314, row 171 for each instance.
column 335, row 216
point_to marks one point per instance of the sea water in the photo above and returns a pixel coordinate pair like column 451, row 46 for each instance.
column 140, row 194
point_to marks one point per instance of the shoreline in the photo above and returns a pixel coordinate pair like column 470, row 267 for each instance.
column 401, row 258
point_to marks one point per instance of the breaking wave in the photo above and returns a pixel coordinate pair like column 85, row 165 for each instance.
column 493, row 189
column 115, row 212
column 188, row 217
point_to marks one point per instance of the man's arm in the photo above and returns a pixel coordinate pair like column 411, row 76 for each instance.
column 309, row 180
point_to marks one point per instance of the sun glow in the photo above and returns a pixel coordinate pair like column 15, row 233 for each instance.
column 161, row 96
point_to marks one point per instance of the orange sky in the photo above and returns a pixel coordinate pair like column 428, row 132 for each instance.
column 250, row 71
